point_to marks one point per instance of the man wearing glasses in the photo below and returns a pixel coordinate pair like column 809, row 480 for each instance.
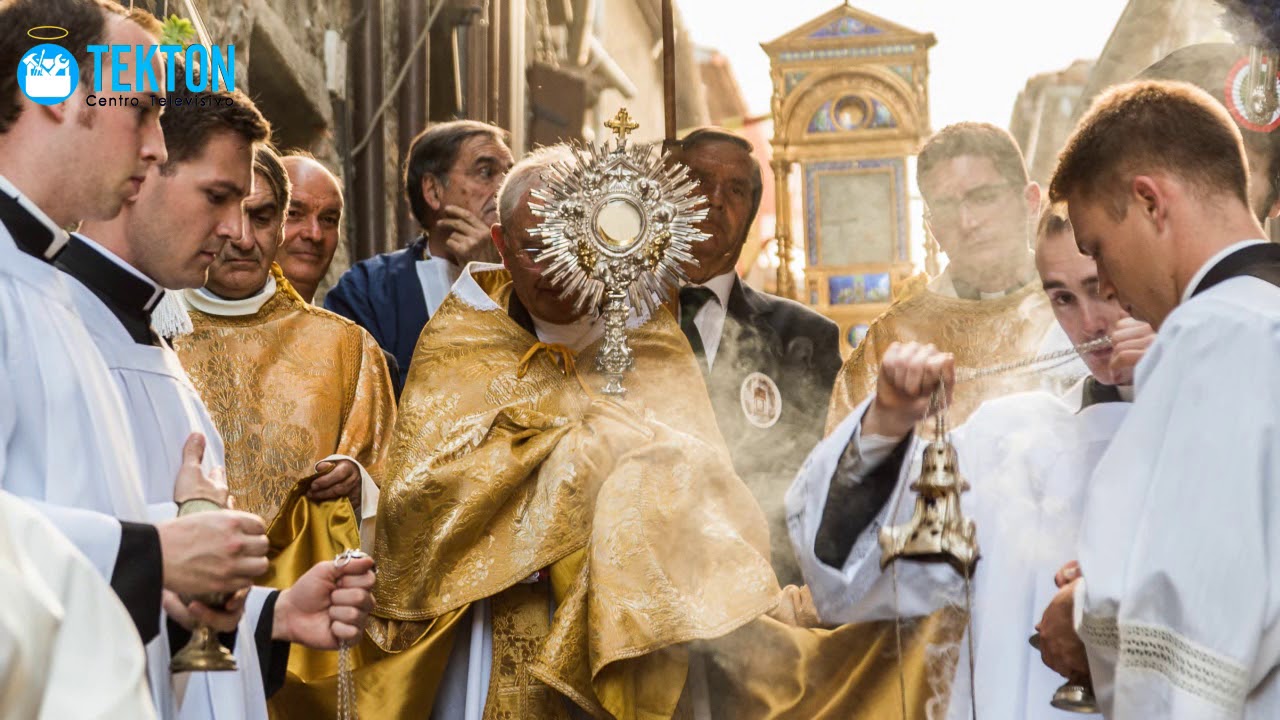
column 987, row 307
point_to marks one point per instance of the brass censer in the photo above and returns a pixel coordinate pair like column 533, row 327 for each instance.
column 938, row 531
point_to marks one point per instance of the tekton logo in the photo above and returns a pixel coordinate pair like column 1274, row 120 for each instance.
column 48, row 73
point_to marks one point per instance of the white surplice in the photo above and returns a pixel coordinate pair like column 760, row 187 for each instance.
column 1179, row 608
column 163, row 409
column 1028, row 458
column 67, row 646
column 63, row 445
column 436, row 275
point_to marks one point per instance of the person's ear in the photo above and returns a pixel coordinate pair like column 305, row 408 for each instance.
column 433, row 192
column 499, row 240
column 58, row 112
column 1033, row 195
column 1150, row 199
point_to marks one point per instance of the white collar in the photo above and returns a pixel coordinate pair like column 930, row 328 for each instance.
column 470, row 292
column 721, row 285
column 1213, row 261
column 210, row 304
column 104, row 252
column 60, row 237
column 575, row 335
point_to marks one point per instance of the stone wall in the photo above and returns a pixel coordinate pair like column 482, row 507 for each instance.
column 281, row 64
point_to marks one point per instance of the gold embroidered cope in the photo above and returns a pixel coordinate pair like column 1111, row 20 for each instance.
column 654, row 548
column 287, row 386
column 978, row 332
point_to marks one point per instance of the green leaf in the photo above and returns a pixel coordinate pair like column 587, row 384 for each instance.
column 177, row 31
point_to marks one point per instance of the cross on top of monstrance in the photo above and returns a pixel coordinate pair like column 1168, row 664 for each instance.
column 621, row 125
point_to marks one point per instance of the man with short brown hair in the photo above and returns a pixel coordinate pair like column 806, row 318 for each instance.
column 121, row 266
column 986, row 307
column 1177, row 607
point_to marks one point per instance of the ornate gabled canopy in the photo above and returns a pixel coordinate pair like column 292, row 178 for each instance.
column 843, row 24
column 849, row 75
column 850, row 106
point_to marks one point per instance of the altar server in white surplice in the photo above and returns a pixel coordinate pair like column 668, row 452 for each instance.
column 1027, row 456
column 1178, row 606
column 211, row 138
column 61, row 627
column 68, row 446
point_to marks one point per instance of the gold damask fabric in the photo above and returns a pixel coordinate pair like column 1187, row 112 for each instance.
column 521, row 619
column 288, row 386
column 303, row 534
column 651, row 539
column 768, row 670
column 978, row 332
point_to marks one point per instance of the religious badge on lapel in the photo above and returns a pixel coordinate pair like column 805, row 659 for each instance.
column 761, row 400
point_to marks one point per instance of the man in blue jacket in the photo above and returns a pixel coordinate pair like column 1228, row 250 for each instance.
column 451, row 179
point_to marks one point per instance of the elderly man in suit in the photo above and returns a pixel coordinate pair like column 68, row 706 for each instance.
column 769, row 362
column 451, row 178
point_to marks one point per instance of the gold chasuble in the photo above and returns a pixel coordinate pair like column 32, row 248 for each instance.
column 978, row 332
column 507, row 464
column 289, row 384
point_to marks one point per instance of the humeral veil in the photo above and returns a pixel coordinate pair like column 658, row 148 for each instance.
column 507, row 462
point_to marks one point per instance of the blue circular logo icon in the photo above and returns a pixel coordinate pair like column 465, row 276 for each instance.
column 48, row 74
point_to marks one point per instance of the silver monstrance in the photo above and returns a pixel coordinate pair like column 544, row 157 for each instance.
column 617, row 226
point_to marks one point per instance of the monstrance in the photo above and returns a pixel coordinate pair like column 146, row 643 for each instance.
column 617, row 226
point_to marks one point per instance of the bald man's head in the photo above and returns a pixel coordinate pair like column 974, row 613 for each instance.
column 312, row 224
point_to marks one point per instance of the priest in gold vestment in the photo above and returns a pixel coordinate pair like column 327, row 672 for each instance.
column 301, row 397
column 546, row 551
column 987, row 307
column 296, row 391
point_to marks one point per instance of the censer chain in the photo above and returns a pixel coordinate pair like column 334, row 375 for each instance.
column 970, row 374
column 347, row 706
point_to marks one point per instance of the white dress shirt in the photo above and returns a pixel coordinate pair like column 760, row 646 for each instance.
column 436, row 275
column 710, row 317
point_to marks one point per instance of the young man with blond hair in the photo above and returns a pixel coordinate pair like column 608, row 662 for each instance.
column 1176, row 608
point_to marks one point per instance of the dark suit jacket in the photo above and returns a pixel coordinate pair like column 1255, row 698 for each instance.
column 799, row 350
column 384, row 296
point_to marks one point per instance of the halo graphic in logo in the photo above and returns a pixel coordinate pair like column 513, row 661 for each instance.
column 1237, row 102
column 48, row 74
